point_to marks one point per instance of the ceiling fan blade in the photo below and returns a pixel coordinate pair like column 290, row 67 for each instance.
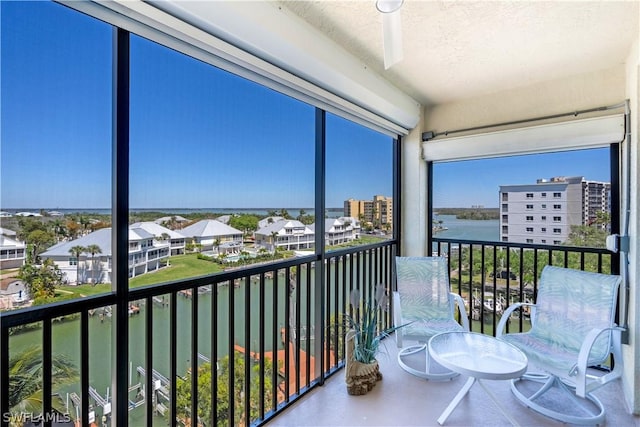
column 392, row 38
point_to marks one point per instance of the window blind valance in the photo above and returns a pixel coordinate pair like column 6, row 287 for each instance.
column 562, row 136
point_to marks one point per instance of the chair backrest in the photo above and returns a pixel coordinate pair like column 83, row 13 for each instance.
column 572, row 302
column 423, row 287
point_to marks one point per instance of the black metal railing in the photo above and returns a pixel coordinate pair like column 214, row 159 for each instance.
column 275, row 330
column 492, row 275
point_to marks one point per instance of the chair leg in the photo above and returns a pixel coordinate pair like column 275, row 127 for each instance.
column 581, row 414
column 428, row 373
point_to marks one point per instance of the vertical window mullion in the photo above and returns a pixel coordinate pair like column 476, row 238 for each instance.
column 46, row 370
column 120, row 215
column 320, row 203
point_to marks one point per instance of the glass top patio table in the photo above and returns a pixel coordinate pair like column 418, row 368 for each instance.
column 480, row 357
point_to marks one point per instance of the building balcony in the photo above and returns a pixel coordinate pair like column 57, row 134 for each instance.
column 308, row 383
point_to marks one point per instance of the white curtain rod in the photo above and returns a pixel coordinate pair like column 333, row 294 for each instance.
column 426, row 136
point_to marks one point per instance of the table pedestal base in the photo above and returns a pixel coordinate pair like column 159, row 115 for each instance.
column 463, row 392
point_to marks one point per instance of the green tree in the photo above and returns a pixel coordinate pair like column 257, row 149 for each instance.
column 25, row 380
column 39, row 240
column 27, row 225
column 586, row 236
column 240, row 387
column 93, row 250
column 284, row 213
column 41, row 281
column 59, row 229
column 73, row 228
column 246, row 222
column 75, row 252
column 307, row 219
column 274, row 236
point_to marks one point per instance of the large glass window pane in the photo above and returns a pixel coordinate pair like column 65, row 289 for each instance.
column 222, row 169
column 56, row 152
column 510, row 199
column 359, row 182
column 55, row 176
column 509, row 217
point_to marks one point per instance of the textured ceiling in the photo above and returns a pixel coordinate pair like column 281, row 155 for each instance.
column 461, row 49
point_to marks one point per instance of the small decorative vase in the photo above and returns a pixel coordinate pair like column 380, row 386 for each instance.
column 359, row 377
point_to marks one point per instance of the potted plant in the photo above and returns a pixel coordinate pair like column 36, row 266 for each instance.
column 363, row 341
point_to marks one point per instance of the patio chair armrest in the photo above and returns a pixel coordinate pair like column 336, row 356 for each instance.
column 397, row 317
column 463, row 311
column 580, row 369
column 505, row 316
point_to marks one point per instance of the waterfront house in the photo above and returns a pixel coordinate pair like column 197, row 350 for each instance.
column 146, row 253
column 214, row 236
column 13, row 292
column 354, row 223
column 474, row 80
column 269, row 220
column 12, row 250
column 336, row 231
column 175, row 239
column 287, row 234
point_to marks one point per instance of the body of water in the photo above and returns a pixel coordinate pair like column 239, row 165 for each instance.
column 467, row 229
column 294, row 212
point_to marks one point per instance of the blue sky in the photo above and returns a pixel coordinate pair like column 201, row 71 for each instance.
column 477, row 182
column 200, row 137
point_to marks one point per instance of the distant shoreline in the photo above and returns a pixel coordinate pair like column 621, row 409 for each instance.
column 170, row 210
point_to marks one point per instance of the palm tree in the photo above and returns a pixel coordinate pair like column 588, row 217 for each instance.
column 25, row 379
column 274, row 235
column 76, row 251
column 93, row 250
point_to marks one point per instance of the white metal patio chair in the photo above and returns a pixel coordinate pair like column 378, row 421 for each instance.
column 425, row 305
column 573, row 330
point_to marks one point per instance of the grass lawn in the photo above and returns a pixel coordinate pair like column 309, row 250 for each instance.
column 180, row 267
column 79, row 291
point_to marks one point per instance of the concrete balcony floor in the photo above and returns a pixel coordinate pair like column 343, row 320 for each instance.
column 402, row 399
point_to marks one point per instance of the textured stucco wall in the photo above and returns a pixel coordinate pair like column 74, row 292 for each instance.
column 414, row 195
column 631, row 352
column 605, row 87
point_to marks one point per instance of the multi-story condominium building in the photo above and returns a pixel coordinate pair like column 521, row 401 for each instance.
column 543, row 213
column 383, row 212
column 376, row 213
column 214, row 236
column 12, row 250
column 146, row 253
column 287, row 234
column 355, row 208
column 596, row 198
